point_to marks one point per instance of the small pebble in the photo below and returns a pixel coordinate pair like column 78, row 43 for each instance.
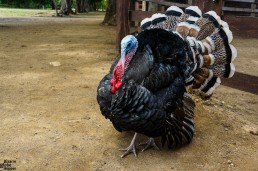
column 55, row 64
column 254, row 131
column 226, row 125
column 251, row 129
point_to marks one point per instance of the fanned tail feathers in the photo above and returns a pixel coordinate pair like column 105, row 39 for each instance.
column 209, row 52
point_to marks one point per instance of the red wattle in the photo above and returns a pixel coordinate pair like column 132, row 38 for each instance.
column 113, row 81
column 118, row 84
column 113, row 90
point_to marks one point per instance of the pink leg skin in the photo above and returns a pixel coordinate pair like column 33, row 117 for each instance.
column 149, row 144
column 131, row 148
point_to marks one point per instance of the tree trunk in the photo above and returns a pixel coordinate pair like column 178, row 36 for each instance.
column 122, row 7
column 55, row 5
column 65, row 8
column 110, row 17
column 83, row 6
column 78, row 6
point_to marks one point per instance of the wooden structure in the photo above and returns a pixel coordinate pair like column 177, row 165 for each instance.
column 242, row 81
column 140, row 9
column 242, row 16
column 240, row 7
column 122, row 7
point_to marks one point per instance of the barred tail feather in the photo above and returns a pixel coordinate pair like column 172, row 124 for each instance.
column 183, row 29
column 145, row 23
column 193, row 11
column 226, row 70
column 224, row 24
column 208, row 23
column 186, row 26
column 173, row 14
column 174, row 11
column 200, row 27
column 172, row 17
column 190, row 11
column 209, row 88
column 221, row 56
column 194, row 29
column 158, row 20
column 234, row 52
column 166, row 21
column 201, row 77
column 209, row 54
column 219, row 39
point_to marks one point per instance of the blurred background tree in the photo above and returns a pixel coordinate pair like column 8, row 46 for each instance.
column 110, row 17
column 78, row 5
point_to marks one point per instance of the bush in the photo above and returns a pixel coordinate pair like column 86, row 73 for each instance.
column 4, row 5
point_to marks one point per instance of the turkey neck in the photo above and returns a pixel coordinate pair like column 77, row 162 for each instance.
column 139, row 67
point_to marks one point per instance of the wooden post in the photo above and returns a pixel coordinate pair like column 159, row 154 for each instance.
column 218, row 7
column 253, row 7
column 122, row 7
column 208, row 5
column 144, row 6
column 161, row 8
column 153, row 6
column 137, row 7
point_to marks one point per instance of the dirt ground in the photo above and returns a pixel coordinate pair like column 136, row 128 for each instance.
column 50, row 120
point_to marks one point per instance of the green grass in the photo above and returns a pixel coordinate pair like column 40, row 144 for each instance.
column 8, row 12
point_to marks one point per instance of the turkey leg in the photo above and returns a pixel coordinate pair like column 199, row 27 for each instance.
column 149, row 144
column 130, row 148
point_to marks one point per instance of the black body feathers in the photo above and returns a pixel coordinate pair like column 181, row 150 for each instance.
column 153, row 86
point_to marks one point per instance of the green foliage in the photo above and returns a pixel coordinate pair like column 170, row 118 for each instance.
column 38, row 4
column 101, row 5
column 4, row 5
column 27, row 3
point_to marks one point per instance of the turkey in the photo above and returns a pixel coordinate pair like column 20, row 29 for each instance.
column 146, row 88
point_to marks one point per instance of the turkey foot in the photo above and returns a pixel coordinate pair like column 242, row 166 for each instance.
column 131, row 148
column 149, row 144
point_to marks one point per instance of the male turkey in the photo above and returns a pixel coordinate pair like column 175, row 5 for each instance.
column 145, row 89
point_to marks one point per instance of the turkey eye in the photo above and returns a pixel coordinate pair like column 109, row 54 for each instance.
column 129, row 45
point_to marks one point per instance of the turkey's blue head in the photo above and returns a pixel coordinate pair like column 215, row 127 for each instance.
column 129, row 45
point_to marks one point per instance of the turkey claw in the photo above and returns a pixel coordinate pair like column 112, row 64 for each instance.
column 128, row 150
column 149, row 144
